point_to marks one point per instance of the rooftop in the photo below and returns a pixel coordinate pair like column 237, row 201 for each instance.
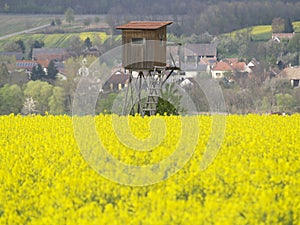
column 48, row 51
column 200, row 49
column 144, row 25
column 292, row 73
column 118, row 78
column 222, row 66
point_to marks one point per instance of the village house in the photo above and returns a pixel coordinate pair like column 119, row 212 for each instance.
column 198, row 58
column 282, row 36
column 292, row 74
column 26, row 64
column 252, row 66
column 194, row 52
column 58, row 54
column 17, row 55
column 117, row 81
column 229, row 66
column 220, row 70
column 236, row 65
column 29, row 64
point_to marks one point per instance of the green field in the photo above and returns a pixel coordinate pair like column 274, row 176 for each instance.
column 15, row 23
column 54, row 40
column 263, row 32
column 10, row 24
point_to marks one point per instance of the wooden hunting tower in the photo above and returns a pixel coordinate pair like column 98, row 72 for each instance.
column 145, row 51
column 144, row 44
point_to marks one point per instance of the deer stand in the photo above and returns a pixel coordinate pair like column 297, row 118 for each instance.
column 143, row 93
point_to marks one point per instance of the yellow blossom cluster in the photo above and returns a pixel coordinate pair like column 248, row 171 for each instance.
column 254, row 178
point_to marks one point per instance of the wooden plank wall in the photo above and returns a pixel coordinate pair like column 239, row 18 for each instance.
column 148, row 55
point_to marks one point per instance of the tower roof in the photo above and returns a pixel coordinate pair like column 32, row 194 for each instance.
column 144, row 25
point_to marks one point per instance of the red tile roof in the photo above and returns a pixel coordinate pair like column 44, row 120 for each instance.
column 144, row 25
column 43, row 63
column 222, row 66
column 239, row 66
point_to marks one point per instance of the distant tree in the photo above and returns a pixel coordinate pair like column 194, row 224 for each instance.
column 4, row 75
column 97, row 41
column 164, row 107
column 170, row 95
column 288, row 26
column 35, row 44
column 203, row 38
column 6, row 7
column 21, row 44
column 96, row 19
column 57, row 101
column 8, row 60
column 69, row 85
column 285, row 102
column 11, row 99
column 51, row 70
column 87, row 22
column 12, row 47
column 37, row 73
column 294, row 44
column 278, row 25
column 88, row 43
column 226, row 46
column 74, row 45
column 105, row 103
column 69, row 14
column 57, row 21
column 40, row 91
column 29, row 106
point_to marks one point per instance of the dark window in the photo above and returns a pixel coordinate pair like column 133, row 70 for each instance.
column 296, row 83
column 137, row 41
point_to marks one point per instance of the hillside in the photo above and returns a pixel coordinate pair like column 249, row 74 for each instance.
column 258, row 33
column 16, row 23
column 54, row 40
column 262, row 32
column 191, row 16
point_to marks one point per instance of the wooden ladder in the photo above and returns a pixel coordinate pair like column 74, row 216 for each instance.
column 154, row 91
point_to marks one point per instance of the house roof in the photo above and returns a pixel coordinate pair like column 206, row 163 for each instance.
column 222, row 66
column 208, row 61
column 118, row 78
column 231, row 60
column 239, row 66
column 43, row 63
column 292, row 73
column 200, row 49
column 253, row 63
column 18, row 55
column 192, row 67
column 48, row 51
column 283, row 35
column 29, row 64
column 144, row 25
column 26, row 64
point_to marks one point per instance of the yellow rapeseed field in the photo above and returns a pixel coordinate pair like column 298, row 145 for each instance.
column 254, row 179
